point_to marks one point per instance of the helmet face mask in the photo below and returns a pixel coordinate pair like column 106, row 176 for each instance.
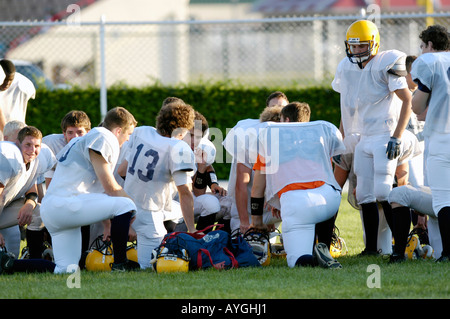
column 362, row 32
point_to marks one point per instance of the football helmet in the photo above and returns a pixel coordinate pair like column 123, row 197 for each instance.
column 132, row 251
column 171, row 257
column 260, row 244
column 415, row 250
column 100, row 256
column 338, row 246
column 362, row 32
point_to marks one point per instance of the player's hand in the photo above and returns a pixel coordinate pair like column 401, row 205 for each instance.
column 216, row 189
column 393, row 148
column 25, row 214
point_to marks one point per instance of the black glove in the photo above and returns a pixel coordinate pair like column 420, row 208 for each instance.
column 393, row 148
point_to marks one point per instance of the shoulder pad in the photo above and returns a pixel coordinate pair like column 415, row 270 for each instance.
column 392, row 61
column 399, row 67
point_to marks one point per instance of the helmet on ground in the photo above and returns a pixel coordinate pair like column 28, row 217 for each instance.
column 132, row 252
column 359, row 33
column 100, row 256
column 260, row 244
column 338, row 246
column 171, row 257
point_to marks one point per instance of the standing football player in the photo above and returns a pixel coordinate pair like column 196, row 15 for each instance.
column 376, row 107
column 431, row 71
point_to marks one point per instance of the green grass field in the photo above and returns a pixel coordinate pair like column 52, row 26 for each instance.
column 359, row 279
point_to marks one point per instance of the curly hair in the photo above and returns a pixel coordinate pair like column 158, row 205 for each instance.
column 173, row 116
column 438, row 35
column 271, row 113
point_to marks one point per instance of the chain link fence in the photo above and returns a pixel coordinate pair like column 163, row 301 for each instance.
column 300, row 51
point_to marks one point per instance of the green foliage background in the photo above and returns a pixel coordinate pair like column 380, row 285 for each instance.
column 222, row 104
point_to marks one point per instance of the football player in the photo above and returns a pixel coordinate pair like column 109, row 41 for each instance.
column 375, row 107
column 157, row 158
column 294, row 174
column 237, row 143
column 84, row 191
column 15, row 92
column 431, row 71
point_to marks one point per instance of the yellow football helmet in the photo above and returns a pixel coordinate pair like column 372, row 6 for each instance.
column 171, row 257
column 260, row 245
column 132, row 252
column 100, row 256
column 362, row 32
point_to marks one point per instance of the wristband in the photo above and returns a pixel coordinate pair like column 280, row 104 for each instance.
column 201, row 180
column 257, row 206
column 32, row 196
column 212, row 179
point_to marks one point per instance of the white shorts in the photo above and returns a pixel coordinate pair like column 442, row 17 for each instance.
column 63, row 218
column 301, row 210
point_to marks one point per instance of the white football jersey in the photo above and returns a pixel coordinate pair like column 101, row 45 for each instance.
column 14, row 100
column 433, row 71
column 241, row 144
column 298, row 153
column 55, row 142
column 74, row 173
column 152, row 160
column 13, row 173
column 369, row 105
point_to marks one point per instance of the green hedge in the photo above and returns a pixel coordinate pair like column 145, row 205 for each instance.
column 221, row 104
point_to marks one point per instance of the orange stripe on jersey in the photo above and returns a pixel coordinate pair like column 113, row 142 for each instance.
column 296, row 186
column 260, row 163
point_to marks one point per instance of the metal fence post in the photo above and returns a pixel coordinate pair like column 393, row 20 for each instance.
column 103, row 99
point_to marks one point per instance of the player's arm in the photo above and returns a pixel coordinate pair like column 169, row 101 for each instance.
column 105, row 175
column 187, row 206
column 2, row 120
column 26, row 211
column 420, row 101
column 405, row 113
column 213, row 182
column 257, row 200
column 243, row 174
column 122, row 170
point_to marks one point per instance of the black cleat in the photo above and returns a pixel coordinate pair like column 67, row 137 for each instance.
column 396, row 258
column 128, row 265
column 323, row 257
column 6, row 261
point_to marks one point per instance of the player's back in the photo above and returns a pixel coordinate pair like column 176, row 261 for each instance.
column 152, row 160
column 433, row 71
column 74, row 173
column 299, row 153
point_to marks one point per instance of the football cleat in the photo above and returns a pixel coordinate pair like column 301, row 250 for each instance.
column 6, row 261
column 260, row 244
column 322, row 256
